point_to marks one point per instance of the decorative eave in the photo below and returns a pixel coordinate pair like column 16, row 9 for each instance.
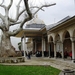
column 29, row 32
column 64, row 24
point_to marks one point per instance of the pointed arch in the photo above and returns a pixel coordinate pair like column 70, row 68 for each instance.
column 57, row 37
column 51, row 46
column 51, row 39
column 67, row 44
column 66, row 35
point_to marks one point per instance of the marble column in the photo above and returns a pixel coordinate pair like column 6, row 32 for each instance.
column 54, row 50
column 35, row 47
column 42, row 47
column 49, row 49
column 62, row 51
column 73, row 51
column 21, row 44
column 24, row 46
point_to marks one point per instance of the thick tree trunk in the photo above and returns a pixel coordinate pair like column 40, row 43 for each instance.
column 7, row 49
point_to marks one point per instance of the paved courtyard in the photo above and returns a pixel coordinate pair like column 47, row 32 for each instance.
column 57, row 63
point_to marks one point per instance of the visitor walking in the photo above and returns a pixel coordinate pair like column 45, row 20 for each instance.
column 29, row 56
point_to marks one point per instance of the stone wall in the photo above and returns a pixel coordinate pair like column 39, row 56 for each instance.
column 12, row 59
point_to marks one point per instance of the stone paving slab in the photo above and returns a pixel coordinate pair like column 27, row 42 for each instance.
column 57, row 63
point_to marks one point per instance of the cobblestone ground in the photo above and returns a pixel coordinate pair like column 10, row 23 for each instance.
column 57, row 63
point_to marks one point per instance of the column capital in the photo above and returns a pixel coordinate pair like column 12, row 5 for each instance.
column 54, row 42
column 72, row 38
column 72, row 41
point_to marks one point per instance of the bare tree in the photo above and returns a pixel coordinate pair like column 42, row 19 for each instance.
column 7, row 22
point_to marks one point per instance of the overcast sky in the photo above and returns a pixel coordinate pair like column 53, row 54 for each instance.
column 57, row 12
column 52, row 14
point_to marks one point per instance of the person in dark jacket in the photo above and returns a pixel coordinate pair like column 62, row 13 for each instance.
column 29, row 55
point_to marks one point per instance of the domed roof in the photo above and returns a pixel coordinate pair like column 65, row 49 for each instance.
column 35, row 23
column 35, row 20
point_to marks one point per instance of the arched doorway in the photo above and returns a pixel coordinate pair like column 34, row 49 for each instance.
column 51, row 44
column 73, row 47
column 67, row 44
column 58, row 45
column 74, row 38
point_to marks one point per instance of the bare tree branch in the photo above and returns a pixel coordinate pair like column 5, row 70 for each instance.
column 1, row 16
column 17, row 17
column 17, row 13
column 14, row 23
column 18, row 7
column 27, row 9
column 28, row 12
column 2, row 5
column 2, row 2
column 44, row 6
column 1, row 27
column 9, row 6
column 14, row 32
column 22, row 13
column 37, row 7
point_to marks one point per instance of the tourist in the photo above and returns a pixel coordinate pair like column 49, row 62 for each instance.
column 70, row 54
column 29, row 55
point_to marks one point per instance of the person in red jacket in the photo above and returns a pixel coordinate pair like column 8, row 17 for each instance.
column 65, row 54
column 70, row 54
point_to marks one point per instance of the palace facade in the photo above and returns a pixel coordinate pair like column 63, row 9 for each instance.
column 56, row 40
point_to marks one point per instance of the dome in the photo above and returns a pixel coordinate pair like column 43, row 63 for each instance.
column 35, row 20
column 35, row 23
